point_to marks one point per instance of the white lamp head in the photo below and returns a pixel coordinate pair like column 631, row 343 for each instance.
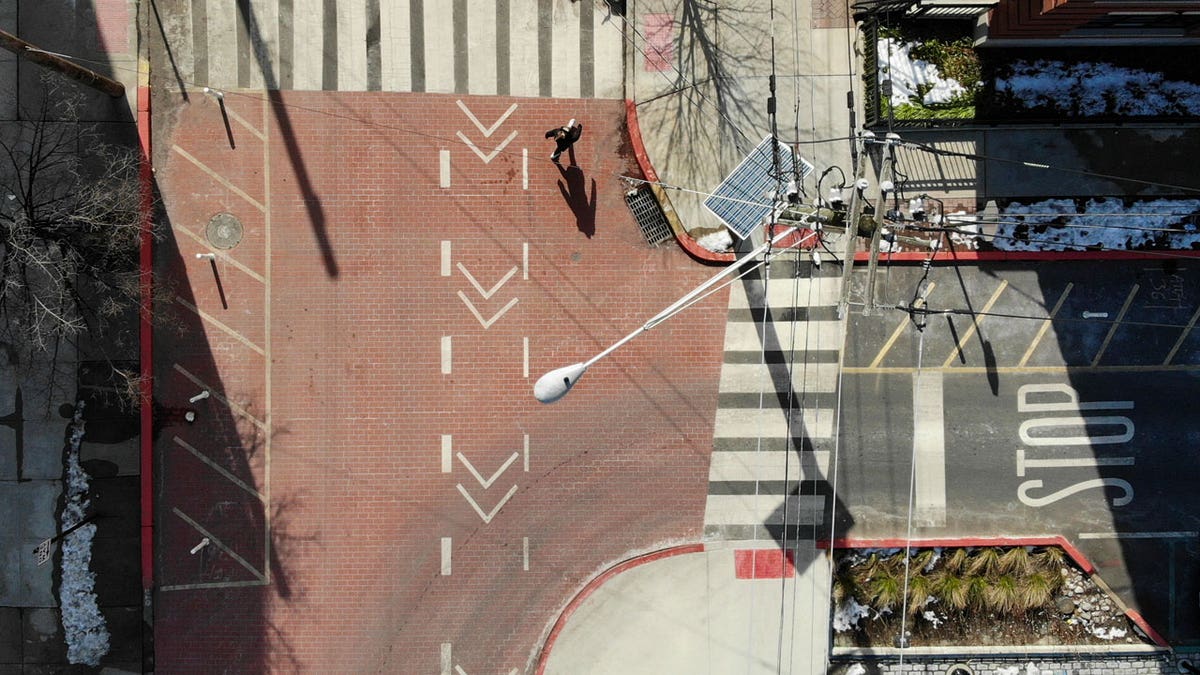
column 556, row 383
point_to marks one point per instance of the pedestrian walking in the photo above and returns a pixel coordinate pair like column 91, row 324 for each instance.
column 564, row 137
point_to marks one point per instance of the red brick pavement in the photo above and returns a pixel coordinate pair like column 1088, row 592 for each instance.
column 332, row 340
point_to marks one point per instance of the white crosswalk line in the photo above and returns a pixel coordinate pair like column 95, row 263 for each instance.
column 523, row 71
column 785, row 292
column 751, row 378
column 352, row 46
column 773, row 423
column 750, row 466
column 439, row 47
column 564, row 73
column 749, row 335
column 222, row 43
column 764, row 509
column 481, row 46
column 308, row 39
column 395, row 45
column 609, row 49
column 758, row 447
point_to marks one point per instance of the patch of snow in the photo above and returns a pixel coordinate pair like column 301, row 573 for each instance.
column 908, row 73
column 847, row 615
column 84, row 629
column 1098, row 89
column 857, row 669
column 717, row 242
column 933, row 618
column 1105, row 223
column 1109, row 633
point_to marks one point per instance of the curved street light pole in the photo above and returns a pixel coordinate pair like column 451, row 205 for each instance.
column 556, row 383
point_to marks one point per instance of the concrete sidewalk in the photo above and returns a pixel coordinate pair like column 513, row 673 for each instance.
column 698, row 609
column 698, row 75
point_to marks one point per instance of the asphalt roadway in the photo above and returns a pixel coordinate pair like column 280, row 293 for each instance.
column 1022, row 424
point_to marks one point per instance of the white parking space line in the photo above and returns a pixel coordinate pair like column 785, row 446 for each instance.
column 1115, row 325
column 1179, row 343
column 447, row 551
column 970, row 331
column 1045, row 326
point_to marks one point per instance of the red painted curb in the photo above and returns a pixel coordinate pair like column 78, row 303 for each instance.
column 1076, row 555
column 1029, row 256
column 145, row 335
column 686, row 241
column 598, row 581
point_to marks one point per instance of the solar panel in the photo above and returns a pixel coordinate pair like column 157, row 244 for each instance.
column 743, row 199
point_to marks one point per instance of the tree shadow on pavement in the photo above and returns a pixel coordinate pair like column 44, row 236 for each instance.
column 573, row 187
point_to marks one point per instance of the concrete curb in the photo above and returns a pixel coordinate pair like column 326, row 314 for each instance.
column 1055, row 540
column 686, row 241
column 146, row 335
column 598, row 581
column 1026, row 256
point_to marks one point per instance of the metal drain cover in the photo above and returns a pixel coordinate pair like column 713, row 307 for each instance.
column 224, row 231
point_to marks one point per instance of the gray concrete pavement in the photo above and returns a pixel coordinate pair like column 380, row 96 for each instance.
column 691, row 613
column 698, row 73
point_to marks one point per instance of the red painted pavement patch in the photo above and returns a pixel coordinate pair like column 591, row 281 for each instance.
column 764, row 563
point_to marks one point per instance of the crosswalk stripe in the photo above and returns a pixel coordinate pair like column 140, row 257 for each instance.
column 439, row 47
column 395, row 45
column 748, row 466
column 523, row 61
column 749, row 335
column 308, row 39
column 740, row 378
column 773, row 422
column 764, row 509
column 564, row 75
column 481, row 47
column 352, row 47
column 609, row 48
column 785, row 373
column 786, row 292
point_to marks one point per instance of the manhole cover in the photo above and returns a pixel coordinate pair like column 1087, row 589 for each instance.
column 224, row 231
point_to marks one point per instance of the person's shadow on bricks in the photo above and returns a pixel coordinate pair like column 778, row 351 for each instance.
column 574, row 189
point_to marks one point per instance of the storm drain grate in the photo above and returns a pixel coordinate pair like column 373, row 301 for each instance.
column 649, row 216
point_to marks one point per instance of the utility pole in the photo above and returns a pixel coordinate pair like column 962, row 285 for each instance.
column 851, row 237
column 877, row 231
column 74, row 71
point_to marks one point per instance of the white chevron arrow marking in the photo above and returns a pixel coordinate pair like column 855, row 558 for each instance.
column 488, row 323
column 487, row 133
column 487, row 517
column 488, row 293
column 487, row 483
column 460, row 671
column 487, row 159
